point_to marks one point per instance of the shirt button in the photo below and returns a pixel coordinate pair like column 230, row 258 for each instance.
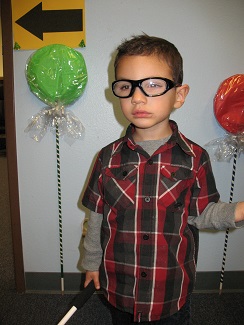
column 150, row 162
column 125, row 173
column 177, row 205
column 147, row 199
column 143, row 274
column 145, row 237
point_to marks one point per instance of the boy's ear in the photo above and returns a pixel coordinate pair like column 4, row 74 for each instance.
column 181, row 93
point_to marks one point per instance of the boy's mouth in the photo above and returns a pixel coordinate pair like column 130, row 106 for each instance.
column 140, row 113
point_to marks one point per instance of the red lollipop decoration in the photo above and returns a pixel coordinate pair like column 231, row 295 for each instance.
column 229, row 112
column 229, row 104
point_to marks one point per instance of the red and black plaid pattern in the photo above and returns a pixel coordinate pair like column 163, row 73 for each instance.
column 149, row 266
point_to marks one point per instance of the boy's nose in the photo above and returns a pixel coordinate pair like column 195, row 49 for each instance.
column 138, row 96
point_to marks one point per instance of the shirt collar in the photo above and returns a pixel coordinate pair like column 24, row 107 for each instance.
column 176, row 138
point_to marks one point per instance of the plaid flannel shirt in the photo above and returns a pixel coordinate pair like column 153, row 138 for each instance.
column 149, row 251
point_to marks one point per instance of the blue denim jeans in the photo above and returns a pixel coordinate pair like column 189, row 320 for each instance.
column 182, row 317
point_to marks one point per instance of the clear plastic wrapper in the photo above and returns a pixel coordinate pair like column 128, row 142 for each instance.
column 69, row 126
column 223, row 149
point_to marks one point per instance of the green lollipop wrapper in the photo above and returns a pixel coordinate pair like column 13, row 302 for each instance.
column 57, row 75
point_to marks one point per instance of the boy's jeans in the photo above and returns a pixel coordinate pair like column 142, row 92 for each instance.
column 182, row 317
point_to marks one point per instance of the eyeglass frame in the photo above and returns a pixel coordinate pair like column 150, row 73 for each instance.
column 137, row 83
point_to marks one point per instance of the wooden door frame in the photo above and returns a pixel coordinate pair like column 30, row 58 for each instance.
column 9, row 108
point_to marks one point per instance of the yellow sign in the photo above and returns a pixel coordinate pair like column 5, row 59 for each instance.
column 38, row 23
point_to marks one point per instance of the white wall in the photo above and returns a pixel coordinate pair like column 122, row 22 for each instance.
column 209, row 35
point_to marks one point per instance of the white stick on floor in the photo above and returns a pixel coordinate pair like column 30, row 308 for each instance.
column 67, row 316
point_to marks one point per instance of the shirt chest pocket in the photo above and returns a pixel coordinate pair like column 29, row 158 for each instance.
column 120, row 186
column 175, row 183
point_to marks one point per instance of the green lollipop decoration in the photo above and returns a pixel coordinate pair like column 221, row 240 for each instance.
column 57, row 75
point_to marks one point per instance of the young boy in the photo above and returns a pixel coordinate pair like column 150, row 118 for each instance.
column 148, row 193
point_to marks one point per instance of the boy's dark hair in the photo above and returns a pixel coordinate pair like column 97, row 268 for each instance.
column 151, row 45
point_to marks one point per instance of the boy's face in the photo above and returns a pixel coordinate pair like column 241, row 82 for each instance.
column 150, row 115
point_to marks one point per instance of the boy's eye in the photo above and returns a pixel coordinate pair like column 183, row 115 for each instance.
column 125, row 86
column 154, row 84
column 122, row 86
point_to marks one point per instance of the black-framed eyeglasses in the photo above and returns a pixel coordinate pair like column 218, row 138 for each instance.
column 151, row 87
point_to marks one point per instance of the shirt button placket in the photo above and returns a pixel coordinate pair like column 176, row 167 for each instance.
column 147, row 199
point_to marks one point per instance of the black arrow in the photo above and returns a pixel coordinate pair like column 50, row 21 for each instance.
column 38, row 21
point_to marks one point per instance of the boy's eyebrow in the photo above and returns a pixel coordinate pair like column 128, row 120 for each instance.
column 150, row 77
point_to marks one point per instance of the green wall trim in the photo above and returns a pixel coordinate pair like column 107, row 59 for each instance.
column 209, row 281
column 73, row 282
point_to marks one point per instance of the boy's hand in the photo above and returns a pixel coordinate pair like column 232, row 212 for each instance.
column 92, row 275
column 239, row 212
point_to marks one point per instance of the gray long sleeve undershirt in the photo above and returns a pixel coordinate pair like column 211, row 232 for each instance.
column 217, row 216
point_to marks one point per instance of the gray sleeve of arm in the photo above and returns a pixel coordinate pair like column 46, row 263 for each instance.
column 92, row 243
column 218, row 216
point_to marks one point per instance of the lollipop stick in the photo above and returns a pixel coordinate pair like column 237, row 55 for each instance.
column 59, row 208
column 227, row 230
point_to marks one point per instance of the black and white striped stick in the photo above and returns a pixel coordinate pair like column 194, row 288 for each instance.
column 59, row 208
column 227, row 230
